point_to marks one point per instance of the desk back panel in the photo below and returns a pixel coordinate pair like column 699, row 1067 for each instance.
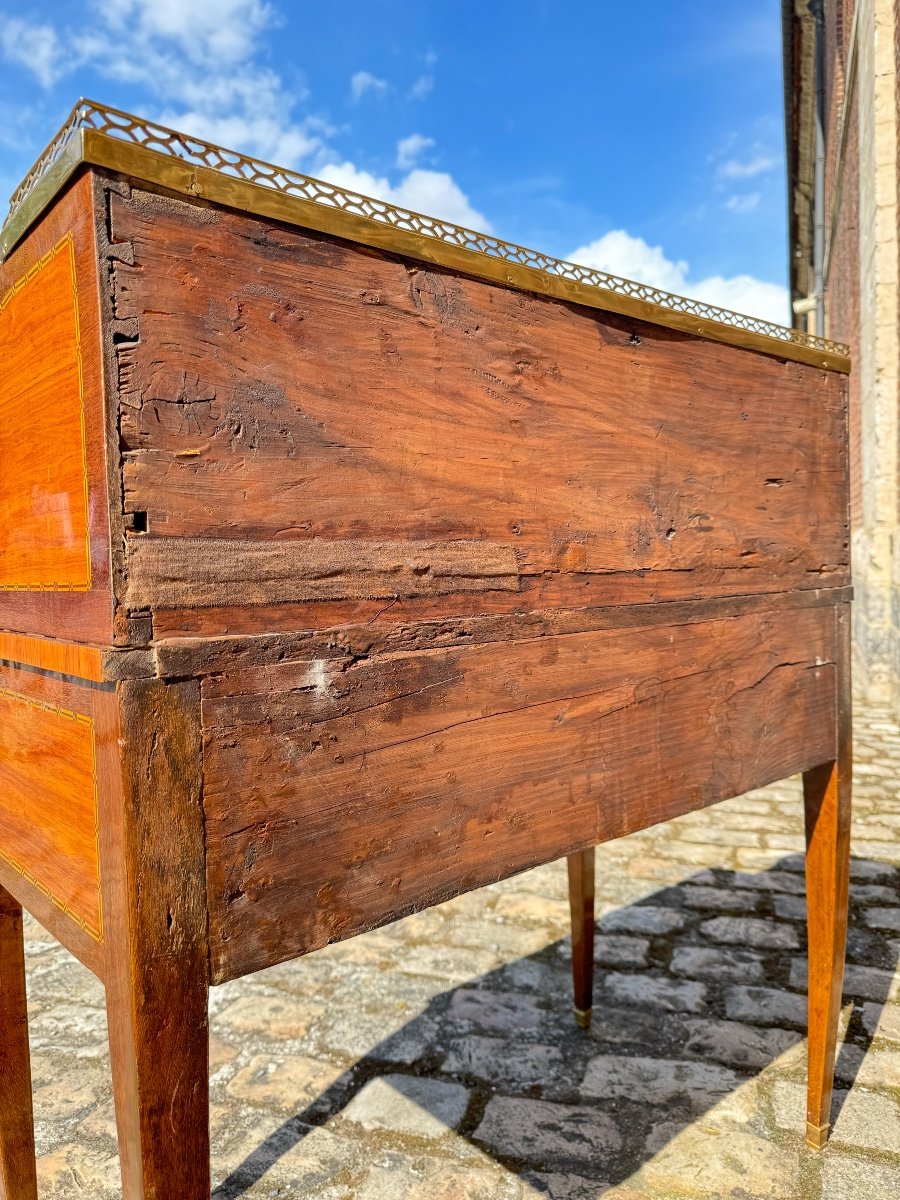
column 341, row 793
column 312, row 430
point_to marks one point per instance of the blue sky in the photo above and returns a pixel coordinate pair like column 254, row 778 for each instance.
column 644, row 139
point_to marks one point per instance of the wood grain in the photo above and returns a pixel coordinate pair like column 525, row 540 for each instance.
column 390, row 631
column 54, row 493
column 48, row 803
column 18, row 1178
column 340, row 794
column 156, row 962
column 441, row 581
column 45, row 690
column 285, row 387
column 543, row 594
column 81, row 944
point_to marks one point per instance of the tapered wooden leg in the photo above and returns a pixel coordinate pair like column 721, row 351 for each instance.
column 826, row 796
column 827, row 807
column 159, row 1048
column 581, row 901
column 18, row 1180
column 157, row 972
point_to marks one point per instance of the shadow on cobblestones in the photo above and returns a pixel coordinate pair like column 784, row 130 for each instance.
column 701, row 986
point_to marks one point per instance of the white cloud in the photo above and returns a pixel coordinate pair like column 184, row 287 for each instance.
column 741, row 205
column 618, row 253
column 35, row 47
column 422, row 87
column 758, row 165
column 247, row 108
column 409, row 149
column 200, row 60
column 437, row 194
column 363, row 82
column 223, row 31
column 434, row 193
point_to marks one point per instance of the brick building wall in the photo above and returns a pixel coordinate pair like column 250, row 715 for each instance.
column 842, row 209
column 861, row 78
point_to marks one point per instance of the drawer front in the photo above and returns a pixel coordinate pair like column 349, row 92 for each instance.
column 340, row 794
column 48, row 800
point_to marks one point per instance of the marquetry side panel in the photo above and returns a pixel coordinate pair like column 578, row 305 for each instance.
column 44, row 485
column 54, row 479
column 49, row 794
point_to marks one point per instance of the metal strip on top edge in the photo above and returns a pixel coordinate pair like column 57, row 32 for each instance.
column 125, row 128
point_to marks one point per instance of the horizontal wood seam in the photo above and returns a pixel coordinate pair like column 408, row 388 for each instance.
column 180, row 657
column 175, row 572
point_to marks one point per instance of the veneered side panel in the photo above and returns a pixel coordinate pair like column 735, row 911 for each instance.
column 49, row 824
column 341, row 794
column 54, row 519
column 44, row 484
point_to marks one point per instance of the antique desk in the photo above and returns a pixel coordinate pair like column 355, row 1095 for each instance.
column 350, row 560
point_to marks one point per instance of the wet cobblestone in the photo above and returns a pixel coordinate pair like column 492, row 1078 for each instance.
column 437, row 1059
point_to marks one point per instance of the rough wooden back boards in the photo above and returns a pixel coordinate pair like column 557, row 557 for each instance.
column 310, row 423
column 304, row 430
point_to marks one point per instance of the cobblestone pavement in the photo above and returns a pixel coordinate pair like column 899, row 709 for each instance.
column 437, row 1059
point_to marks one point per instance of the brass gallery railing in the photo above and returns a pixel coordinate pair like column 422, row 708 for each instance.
column 122, row 127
